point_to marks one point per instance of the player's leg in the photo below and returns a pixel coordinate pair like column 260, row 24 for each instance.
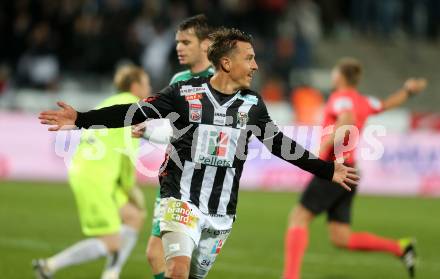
column 154, row 252
column 213, row 238
column 156, row 256
column 339, row 219
column 339, row 234
column 342, row 236
column 296, row 241
column 180, row 225
column 132, row 214
column 318, row 197
column 178, row 250
column 83, row 251
column 99, row 220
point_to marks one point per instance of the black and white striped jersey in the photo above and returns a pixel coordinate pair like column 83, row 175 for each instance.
column 206, row 155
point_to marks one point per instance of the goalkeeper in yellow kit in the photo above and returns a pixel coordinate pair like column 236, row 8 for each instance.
column 102, row 178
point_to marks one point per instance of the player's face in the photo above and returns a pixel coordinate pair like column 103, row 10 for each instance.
column 242, row 64
column 143, row 88
column 188, row 46
column 338, row 79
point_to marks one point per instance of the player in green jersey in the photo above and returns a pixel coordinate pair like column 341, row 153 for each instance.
column 191, row 45
column 102, row 178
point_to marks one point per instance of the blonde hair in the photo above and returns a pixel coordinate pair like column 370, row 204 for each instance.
column 127, row 75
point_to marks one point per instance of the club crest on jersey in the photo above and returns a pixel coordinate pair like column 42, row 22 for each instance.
column 195, row 113
column 242, row 119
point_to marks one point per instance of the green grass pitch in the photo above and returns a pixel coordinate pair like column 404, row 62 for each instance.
column 37, row 220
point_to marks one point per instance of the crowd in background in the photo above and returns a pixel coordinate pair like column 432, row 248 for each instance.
column 44, row 40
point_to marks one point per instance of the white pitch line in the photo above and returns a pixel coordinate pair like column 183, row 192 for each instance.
column 25, row 243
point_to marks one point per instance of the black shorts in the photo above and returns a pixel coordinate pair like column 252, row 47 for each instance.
column 323, row 195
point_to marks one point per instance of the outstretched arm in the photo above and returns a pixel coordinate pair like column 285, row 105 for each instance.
column 62, row 119
column 346, row 118
column 411, row 87
column 67, row 118
column 292, row 152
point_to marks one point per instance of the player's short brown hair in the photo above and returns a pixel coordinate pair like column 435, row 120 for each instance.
column 224, row 40
column 351, row 69
column 200, row 25
column 127, row 75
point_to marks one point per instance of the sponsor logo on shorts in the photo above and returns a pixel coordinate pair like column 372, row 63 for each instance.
column 216, row 232
column 178, row 211
column 217, row 247
column 205, row 263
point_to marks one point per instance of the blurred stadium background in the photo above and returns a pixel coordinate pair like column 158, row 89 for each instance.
column 68, row 50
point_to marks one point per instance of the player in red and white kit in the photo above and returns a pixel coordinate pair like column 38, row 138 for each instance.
column 346, row 106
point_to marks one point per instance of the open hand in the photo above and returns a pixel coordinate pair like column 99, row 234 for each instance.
column 415, row 85
column 62, row 119
column 345, row 176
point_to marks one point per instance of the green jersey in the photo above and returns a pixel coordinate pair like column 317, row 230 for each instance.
column 187, row 74
column 108, row 153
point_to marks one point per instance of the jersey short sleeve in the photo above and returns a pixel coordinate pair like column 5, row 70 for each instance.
column 340, row 104
column 375, row 105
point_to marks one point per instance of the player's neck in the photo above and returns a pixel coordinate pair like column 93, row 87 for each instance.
column 223, row 83
column 200, row 67
column 345, row 87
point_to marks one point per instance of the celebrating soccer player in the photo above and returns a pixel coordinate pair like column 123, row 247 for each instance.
column 213, row 120
column 192, row 47
column 105, row 190
column 347, row 107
